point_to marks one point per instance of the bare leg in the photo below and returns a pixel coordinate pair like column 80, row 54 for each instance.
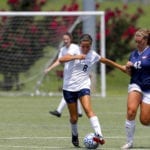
column 145, row 114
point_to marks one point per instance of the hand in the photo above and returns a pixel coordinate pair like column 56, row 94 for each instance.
column 129, row 65
column 80, row 57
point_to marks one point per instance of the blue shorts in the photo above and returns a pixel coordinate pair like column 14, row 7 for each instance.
column 72, row 97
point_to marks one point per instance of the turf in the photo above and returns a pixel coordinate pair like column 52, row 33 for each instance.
column 26, row 124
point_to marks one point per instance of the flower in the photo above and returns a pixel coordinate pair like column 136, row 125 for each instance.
column 33, row 29
column 140, row 10
column 109, row 14
column 42, row 2
column 13, row 2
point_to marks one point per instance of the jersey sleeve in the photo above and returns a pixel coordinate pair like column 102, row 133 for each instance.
column 60, row 53
column 73, row 50
column 97, row 57
column 130, row 57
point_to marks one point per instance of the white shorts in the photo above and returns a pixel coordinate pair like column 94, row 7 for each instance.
column 135, row 87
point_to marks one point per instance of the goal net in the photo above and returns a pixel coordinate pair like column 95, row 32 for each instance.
column 30, row 42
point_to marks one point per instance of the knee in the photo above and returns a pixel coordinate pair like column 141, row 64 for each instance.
column 145, row 121
column 74, row 119
column 131, row 113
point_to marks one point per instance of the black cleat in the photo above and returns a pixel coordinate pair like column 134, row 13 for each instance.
column 80, row 115
column 55, row 113
column 75, row 140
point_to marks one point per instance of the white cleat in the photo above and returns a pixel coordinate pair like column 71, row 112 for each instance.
column 127, row 146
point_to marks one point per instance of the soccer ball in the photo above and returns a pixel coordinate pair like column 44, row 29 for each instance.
column 89, row 142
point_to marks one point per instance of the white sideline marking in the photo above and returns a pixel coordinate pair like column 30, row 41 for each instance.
column 31, row 147
column 47, row 147
column 21, row 138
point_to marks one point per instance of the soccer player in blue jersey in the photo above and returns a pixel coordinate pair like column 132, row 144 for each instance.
column 138, row 67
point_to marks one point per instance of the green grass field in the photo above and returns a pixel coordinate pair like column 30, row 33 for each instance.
column 25, row 124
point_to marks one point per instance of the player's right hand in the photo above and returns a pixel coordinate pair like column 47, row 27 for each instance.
column 81, row 56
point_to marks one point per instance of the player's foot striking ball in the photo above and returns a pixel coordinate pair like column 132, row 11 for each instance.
column 99, row 139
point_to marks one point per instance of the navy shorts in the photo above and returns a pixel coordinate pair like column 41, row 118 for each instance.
column 72, row 97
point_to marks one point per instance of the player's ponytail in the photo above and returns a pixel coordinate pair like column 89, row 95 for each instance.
column 86, row 37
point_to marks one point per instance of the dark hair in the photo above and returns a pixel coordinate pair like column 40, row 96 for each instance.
column 69, row 34
column 86, row 37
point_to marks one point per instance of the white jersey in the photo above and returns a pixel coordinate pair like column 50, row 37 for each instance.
column 77, row 72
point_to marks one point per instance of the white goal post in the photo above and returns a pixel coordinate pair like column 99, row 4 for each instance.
column 102, row 43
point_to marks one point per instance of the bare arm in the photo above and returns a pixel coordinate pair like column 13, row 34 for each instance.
column 113, row 64
column 69, row 57
column 55, row 64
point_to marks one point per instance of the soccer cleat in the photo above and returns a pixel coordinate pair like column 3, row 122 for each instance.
column 80, row 115
column 55, row 113
column 127, row 146
column 99, row 139
column 75, row 140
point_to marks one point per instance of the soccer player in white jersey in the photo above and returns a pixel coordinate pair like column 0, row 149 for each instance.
column 76, row 85
column 67, row 39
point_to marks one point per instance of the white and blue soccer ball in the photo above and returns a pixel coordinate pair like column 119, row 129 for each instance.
column 89, row 142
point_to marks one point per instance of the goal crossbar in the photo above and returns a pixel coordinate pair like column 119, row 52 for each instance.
column 51, row 13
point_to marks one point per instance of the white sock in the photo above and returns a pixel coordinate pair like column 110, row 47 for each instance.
column 130, row 129
column 79, row 107
column 96, row 125
column 61, row 105
column 74, row 128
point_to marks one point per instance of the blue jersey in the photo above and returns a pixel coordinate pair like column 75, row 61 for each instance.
column 140, row 72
